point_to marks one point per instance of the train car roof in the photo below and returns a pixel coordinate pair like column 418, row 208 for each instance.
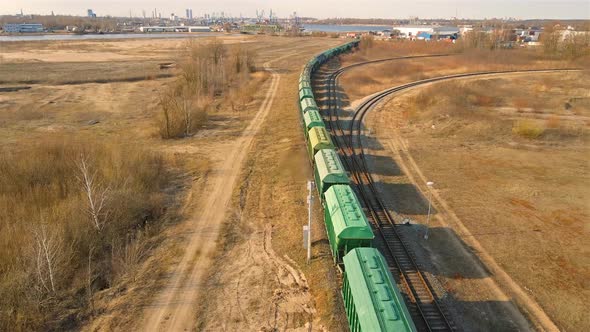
column 308, row 104
column 348, row 219
column 319, row 137
column 313, row 118
column 372, row 286
column 305, row 93
column 329, row 167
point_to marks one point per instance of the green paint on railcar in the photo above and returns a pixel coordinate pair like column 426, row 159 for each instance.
column 312, row 119
column 328, row 170
column 305, row 93
column 308, row 104
column 371, row 297
column 303, row 77
column 346, row 223
column 304, row 85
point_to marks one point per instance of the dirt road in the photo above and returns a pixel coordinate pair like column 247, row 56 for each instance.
column 174, row 309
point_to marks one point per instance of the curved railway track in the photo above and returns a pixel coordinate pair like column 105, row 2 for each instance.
column 427, row 312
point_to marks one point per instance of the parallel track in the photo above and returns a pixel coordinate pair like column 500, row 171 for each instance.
column 426, row 311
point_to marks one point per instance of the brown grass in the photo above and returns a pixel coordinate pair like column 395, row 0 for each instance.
column 494, row 109
column 43, row 201
column 376, row 49
column 462, row 60
column 484, row 168
column 78, row 73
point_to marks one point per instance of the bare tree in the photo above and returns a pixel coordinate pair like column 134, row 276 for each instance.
column 48, row 247
column 165, row 105
column 96, row 194
column 185, row 105
column 90, row 279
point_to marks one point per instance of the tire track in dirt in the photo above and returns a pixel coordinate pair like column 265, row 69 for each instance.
column 175, row 307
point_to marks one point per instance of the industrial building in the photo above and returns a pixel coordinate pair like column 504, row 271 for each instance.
column 419, row 31
column 23, row 27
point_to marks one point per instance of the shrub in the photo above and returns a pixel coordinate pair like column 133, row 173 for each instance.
column 527, row 129
column 207, row 71
column 367, row 42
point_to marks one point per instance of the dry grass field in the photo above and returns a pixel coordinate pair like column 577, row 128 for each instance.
column 60, row 101
column 363, row 81
column 509, row 158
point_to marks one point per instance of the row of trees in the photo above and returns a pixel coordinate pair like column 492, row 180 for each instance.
column 555, row 43
column 208, row 71
column 565, row 43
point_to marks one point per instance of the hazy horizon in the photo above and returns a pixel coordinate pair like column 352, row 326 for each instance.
column 469, row 9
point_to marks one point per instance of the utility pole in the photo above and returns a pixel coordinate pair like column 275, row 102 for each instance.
column 307, row 228
column 429, row 184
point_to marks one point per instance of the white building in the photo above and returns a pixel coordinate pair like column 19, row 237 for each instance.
column 23, row 27
column 426, row 31
column 412, row 30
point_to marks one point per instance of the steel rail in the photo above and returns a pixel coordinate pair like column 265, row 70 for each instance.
column 427, row 313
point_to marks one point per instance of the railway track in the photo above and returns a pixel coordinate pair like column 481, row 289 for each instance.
column 428, row 314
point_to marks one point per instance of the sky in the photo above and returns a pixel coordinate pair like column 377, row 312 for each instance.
column 521, row 9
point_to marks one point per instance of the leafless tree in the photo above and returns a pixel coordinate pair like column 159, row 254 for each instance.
column 165, row 105
column 184, row 103
column 90, row 279
column 48, row 247
column 96, row 194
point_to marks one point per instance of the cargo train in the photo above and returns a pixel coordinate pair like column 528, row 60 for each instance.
column 371, row 298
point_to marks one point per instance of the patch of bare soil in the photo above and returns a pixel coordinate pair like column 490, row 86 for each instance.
column 510, row 198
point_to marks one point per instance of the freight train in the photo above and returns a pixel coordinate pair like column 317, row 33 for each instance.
column 372, row 300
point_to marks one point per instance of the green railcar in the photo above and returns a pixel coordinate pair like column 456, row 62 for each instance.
column 304, row 78
column 328, row 170
column 308, row 104
column 304, row 85
column 371, row 298
column 317, row 139
column 313, row 63
column 346, row 223
column 305, row 93
column 312, row 119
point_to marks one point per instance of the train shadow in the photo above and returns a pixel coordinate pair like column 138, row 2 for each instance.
column 485, row 315
column 383, row 165
column 443, row 252
column 404, row 198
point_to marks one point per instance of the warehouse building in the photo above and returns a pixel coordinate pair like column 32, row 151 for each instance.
column 422, row 31
column 23, row 27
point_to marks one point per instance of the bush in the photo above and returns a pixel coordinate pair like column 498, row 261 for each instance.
column 367, row 42
column 527, row 129
column 207, row 71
